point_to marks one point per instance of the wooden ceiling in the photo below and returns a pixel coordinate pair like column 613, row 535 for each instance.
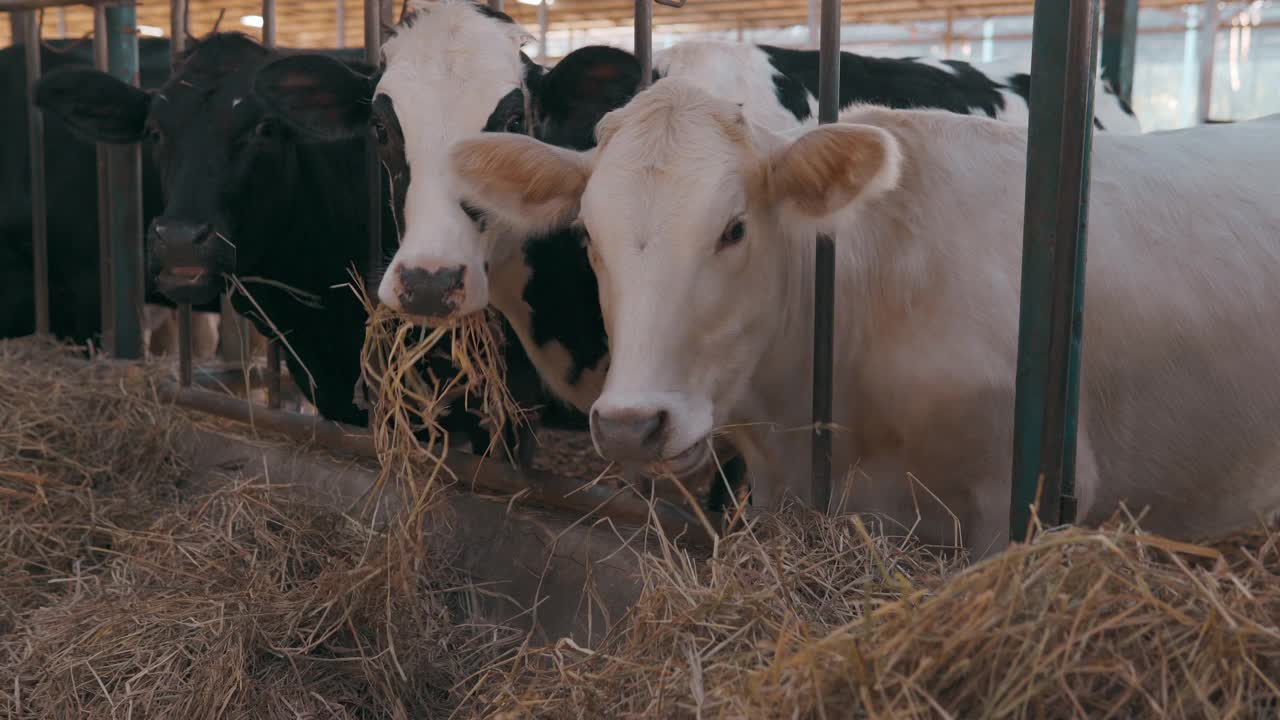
column 314, row 23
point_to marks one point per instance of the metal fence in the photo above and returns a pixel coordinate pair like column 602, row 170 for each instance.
column 1051, row 315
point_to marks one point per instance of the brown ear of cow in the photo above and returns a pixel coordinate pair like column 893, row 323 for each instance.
column 830, row 167
column 527, row 183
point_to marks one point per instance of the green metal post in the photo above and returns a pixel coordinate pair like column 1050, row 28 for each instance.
column 1050, row 323
column 1119, row 45
column 124, row 214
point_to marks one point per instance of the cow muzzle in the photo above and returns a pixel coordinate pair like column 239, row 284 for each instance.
column 433, row 293
column 186, row 259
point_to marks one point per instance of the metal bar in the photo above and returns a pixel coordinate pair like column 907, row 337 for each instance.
column 533, row 487
column 1050, row 322
column 948, row 34
column 61, row 23
column 269, row 23
column 125, row 191
column 825, row 271
column 273, row 374
column 184, row 345
column 178, row 43
column 1119, row 45
column 496, row 5
column 814, row 18
column 373, row 166
column 106, row 305
column 39, row 207
column 340, row 19
column 1207, row 37
column 543, row 22
column 644, row 41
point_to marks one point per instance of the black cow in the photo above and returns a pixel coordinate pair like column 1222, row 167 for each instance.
column 71, row 197
column 244, row 196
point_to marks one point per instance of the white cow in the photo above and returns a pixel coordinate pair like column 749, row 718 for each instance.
column 702, row 228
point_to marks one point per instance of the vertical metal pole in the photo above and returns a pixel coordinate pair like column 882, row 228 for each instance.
column 125, row 189
column 62, row 23
column 1119, row 45
column 1207, row 40
column 373, row 166
column 273, row 347
column 815, row 22
column 948, row 35
column 495, row 5
column 30, row 23
column 644, row 41
column 340, row 18
column 825, row 270
column 542, row 31
column 178, row 43
column 269, row 23
column 1050, row 323
column 106, row 305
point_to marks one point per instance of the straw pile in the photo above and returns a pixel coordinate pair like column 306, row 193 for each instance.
column 806, row 616
column 133, row 588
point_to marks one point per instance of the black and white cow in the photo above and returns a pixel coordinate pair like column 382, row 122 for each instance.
column 454, row 69
column 71, row 202
column 245, row 197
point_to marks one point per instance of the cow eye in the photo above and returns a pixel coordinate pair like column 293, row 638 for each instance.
column 515, row 124
column 265, row 129
column 476, row 215
column 380, row 131
column 154, row 134
column 733, row 234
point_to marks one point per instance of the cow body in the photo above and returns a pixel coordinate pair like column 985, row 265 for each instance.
column 245, row 198
column 71, row 201
column 688, row 204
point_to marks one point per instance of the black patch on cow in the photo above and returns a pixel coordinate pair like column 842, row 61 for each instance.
column 388, row 134
column 1097, row 124
column 572, row 97
column 1020, row 84
column 896, row 83
column 792, row 95
column 508, row 114
column 564, row 299
column 495, row 14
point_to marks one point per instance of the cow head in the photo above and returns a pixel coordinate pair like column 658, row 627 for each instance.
column 691, row 212
column 214, row 144
column 451, row 69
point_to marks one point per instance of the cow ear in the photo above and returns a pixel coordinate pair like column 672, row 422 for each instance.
column 829, row 168
column 95, row 105
column 532, row 186
column 605, row 76
column 317, row 95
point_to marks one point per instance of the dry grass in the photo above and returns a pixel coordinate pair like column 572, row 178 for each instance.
column 132, row 589
column 803, row 616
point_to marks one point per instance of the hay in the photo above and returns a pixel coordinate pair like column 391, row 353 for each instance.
column 806, row 616
column 134, row 589
column 412, row 383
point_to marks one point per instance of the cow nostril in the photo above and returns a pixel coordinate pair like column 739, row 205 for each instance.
column 657, row 428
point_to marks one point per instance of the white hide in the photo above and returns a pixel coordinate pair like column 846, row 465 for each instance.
column 1179, row 399
column 445, row 73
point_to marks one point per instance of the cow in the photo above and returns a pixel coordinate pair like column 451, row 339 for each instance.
column 701, row 228
column 245, row 198
column 454, row 69
column 71, row 196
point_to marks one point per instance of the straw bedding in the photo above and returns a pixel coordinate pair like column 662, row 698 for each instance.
column 131, row 588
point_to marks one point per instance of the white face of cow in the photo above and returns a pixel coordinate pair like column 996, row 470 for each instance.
column 452, row 71
column 692, row 214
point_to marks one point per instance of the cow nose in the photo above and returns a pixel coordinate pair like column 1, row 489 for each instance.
column 179, row 232
column 434, row 292
column 630, row 435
